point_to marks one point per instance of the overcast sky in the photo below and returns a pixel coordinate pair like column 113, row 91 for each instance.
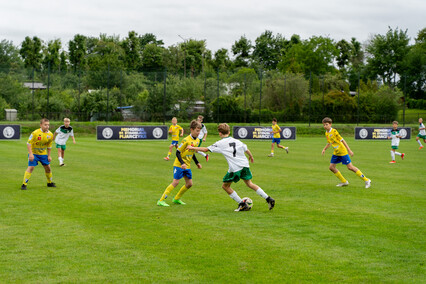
column 219, row 22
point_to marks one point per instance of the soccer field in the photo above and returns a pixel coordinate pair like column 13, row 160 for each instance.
column 102, row 224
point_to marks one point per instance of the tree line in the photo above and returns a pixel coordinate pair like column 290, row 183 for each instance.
column 131, row 71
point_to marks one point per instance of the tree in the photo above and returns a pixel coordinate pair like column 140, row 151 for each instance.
column 77, row 52
column 221, row 59
column 386, row 54
column 242, row 52
column 132, row 51
column 149, row 38
column 31, row 52
column 51, row 54
column 9, row 56
column 152, row 57
column 344, row 54
column 194, row 50
column 269, row 49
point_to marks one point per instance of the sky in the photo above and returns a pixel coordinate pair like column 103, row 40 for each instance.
column 219, row 22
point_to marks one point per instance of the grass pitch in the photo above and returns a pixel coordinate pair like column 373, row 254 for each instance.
column 102, row 224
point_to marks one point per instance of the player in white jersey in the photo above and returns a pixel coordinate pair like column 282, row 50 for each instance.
column 422, row 133
column 202, row 136
column 395, row 136
column 234, row 151
column 61, row 136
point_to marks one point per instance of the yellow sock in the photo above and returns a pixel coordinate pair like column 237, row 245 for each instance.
column 167, row 192
column 182, row 190
column 168, row 154
column 49, row 177
column 27, row 176
column 272, row 151
column 339, row 176
column 359, row 173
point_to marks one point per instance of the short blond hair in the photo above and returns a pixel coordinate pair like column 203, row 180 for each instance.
column 43, row 120
column 67, row 119
column 395, row 122
column 223, row 128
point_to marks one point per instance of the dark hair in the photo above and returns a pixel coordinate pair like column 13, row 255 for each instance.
column 43, row 120
column 327, row 120
column 223, row 128
column 195, row 124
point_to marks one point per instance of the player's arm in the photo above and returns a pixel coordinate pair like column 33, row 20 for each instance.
column 179, row 157
column 325, row 148
column 30, row 152
column 250, row 155
column 181, row 131
column 347, row 147
column 196, row 161
column 201, row 149
column 49, row 158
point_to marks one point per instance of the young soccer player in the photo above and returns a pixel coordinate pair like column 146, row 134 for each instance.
column 276, row 130
column 202, row 136
column 182, row 165
column 39, row 146
column 395, row 136
column 174, row 131
column 61, row 137
column 234, row 151
column 340, row 154
column 422, row 133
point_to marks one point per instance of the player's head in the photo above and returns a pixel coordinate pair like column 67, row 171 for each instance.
column 44, row 124
column 223, row 128
column 67, row 121
column 274, row 121
column 395, row 124
column 326, row 122
column 195, row 128
column 200, row 118
column 420, row 120
column 174, row 120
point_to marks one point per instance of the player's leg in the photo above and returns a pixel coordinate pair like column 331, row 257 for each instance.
column 272, row 150
column 234, row 195
column 392, row 152
column 27, row 176
column 338, row 174
column 183, row 189
column 367, row 181
column 48, row 172
column 167, row 191
column 62, row 156
column 169, row 153
column 260, row 192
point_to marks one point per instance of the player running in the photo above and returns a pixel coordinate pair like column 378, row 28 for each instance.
column 422, row 133
column 63, row 133
column 395, row 136
column 276, row 132
column 234, row 152
column 174, row 131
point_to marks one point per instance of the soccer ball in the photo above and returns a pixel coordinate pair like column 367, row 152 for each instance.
column 249, row 202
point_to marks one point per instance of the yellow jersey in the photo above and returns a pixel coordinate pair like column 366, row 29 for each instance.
column 40, row 141
column 334, row 138
column 175, row 129
column 276, row 128
column 185, row 153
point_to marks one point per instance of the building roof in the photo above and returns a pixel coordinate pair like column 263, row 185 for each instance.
column 35, row 86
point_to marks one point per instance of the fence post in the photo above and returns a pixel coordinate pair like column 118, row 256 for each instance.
column 260, row 95
column 48, row 84
column 285, row 91
column 218, row 104
column 79, row 93
column 108, row 78
column 310, row 93
column 245, row 97
column 359, row 91
column 323, row 95
column 33, row 93
column 403, row 106
column 164, row 96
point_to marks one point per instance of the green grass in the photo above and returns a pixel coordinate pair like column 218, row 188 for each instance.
column 102, row 224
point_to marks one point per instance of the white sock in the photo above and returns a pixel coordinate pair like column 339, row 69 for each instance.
column 202, row 154
column 261, row 193
column 398, row 153
column 420, row 143
column 393, row 155
column 235, row 196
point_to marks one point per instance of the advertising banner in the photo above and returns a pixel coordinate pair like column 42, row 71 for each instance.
column 380, row 133
column 10, row 132
column 262, row 133
column 132, row 132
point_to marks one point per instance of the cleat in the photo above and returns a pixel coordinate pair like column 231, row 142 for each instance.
column 61, row 165
column 24, row 187
column 166, row 158
column 242, row 207
column 270, row 155
column 178, row 201
column 392, row 162
column 402, row 156
column 346, row 183
column 271, row 202
column 207, row 157
column 368, row 183
column 51, row 184
column 421, row 147
column 286, row 149
column 162, row 203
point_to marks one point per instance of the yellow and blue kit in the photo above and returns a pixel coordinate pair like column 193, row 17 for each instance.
column 186, row 154
column 40, row 141
column 175, row 129
column 334, row 138
column 276, row 128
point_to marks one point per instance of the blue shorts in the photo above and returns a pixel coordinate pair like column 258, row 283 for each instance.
column 340, row 159
column 276, row 140
column 179, row 173
column 175, row 142
column 38, row 158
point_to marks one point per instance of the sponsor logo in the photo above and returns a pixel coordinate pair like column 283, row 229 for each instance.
column 157, row 132
column 403, row 133
column 287, row 133
column 363, row 133
column 242, row 132
column 107, row 133
column 8, row 132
